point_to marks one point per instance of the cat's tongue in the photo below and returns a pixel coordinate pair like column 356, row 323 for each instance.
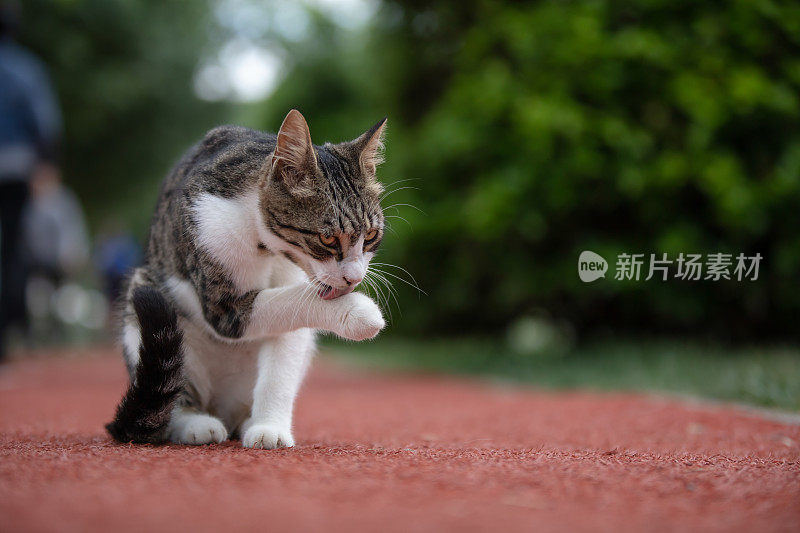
column 331, row 293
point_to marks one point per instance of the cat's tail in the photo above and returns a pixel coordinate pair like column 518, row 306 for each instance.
column 144, row 412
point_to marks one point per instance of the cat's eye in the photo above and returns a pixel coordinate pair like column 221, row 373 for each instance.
column 327, row 240
column 370, row 236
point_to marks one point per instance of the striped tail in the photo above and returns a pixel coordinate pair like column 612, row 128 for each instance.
column 144, row 412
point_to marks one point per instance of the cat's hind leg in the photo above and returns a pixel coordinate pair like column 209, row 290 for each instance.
column 190, row 426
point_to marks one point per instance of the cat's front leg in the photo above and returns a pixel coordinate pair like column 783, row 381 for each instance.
column 282, row 363
column 282, row 310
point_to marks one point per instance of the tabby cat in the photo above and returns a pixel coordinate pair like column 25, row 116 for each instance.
column 257, row 241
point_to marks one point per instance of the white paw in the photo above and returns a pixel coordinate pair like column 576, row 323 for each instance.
column 362, row 318
column 267, row 437
column 198, row 428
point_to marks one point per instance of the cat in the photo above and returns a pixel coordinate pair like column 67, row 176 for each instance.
column 257, row 242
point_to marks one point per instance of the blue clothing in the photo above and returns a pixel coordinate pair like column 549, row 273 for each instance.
column 118, row 255
column 30, row 121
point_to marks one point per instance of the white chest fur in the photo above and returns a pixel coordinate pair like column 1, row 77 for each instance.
column 230, row 229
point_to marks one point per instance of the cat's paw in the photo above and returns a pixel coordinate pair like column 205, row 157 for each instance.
column 362, row 318
column 197, row 428
column 267, row 437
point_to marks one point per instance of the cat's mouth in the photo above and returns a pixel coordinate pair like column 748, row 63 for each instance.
column 330, row 293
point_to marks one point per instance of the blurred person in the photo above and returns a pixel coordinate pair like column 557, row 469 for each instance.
column 118, row 253
column 54, row 231
column 30, row 128
column 55, row 245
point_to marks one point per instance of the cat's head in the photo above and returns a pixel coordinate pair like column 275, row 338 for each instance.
column 321, row 204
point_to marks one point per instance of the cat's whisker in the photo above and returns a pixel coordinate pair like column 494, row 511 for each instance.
column 395, row 182
column 395, row 185
column 374, row 291
column 389, row 193
column 388, row 225
column 380, row 278
column 410, row 284
column 389, row 287
column 401, row 218
column 392, row 292
column 304, row 300
column 398, row 205
column 377, row 281
column 309, row 289
column 399, row 268
column 300, row 300
column 378, row 293
column 383, row 274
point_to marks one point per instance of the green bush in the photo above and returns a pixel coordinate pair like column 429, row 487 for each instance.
column 528, row 132
column 534, row 131
column 665, row 127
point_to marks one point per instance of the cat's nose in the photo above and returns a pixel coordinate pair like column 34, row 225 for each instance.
column 352, row 279
column 352, row 272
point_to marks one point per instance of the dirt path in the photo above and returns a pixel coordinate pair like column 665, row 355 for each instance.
column 395, row 454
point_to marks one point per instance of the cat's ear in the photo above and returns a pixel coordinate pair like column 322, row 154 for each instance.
column 370, row 147
column 294, row 159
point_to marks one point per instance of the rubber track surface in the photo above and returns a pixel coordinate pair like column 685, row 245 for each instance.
column 395, row 453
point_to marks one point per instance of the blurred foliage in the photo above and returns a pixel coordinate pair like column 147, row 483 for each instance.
column 123, row 72
column 525, row 133
column 533, row 131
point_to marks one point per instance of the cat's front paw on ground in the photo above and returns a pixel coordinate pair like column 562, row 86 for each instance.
column 267, row 437
column 198, row 429
column 362, row 318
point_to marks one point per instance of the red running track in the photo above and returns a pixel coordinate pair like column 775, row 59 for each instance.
column 395, row 453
